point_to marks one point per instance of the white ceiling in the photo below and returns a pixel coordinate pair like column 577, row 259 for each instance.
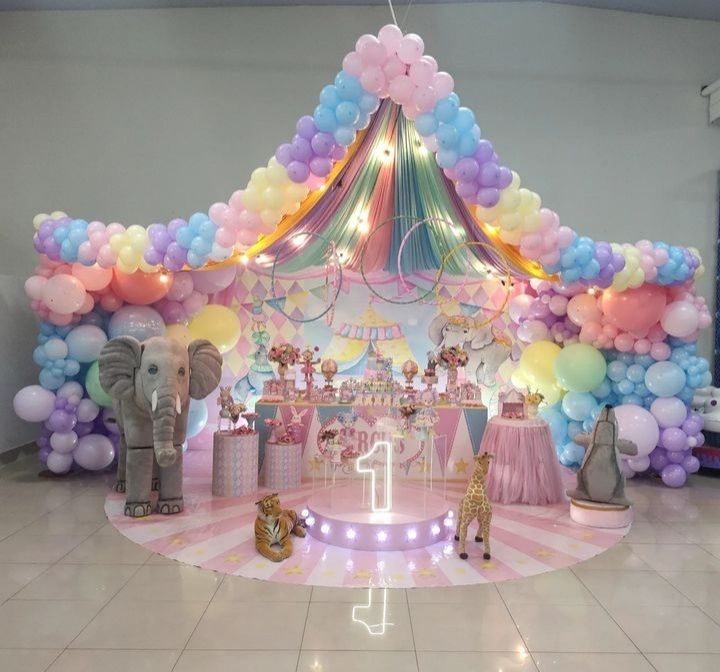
column 688, row 9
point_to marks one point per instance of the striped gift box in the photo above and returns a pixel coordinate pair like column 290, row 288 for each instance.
column 235, row 464
column 282, row 465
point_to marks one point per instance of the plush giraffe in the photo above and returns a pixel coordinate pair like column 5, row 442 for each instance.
column 475, row 504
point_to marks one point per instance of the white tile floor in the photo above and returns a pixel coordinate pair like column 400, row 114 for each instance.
column 75, row 596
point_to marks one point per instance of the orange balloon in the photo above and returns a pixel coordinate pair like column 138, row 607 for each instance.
column 635, row 309
column 139, row 288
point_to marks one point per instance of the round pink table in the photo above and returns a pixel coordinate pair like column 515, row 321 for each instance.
column 525, row 469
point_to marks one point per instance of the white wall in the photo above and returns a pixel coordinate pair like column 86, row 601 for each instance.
column 139, row 116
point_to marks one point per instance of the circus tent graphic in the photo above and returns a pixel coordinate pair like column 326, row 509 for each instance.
column 367, row 334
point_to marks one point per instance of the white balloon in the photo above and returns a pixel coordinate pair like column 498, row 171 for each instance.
column 34, row 403
column 87, row 410
column 94, row 452
column 70, row 389
column 63, row 442
column 59, row 463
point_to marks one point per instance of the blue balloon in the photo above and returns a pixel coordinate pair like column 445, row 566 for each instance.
column 557, row 422
column 348, row 87
column 329, row 97
column 426, row 124
column 578, row 405
column 574, row 428
column 197, row 417
column 625, row 386
column 447, row 136
column 467, row 144
column 184, row 237
column 324, row 118
column 632, row 399
column 603, row 390
column 616, row 371
column 644, row 360
column 572, row 454
column 446, row 109
column 368, row 103
column 344, row 135
column 446, row 158
column 50, row 381
column 665, row 379
column 347, row 113
column 196, row 220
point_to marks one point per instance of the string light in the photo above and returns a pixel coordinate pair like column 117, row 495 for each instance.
column 244, row 259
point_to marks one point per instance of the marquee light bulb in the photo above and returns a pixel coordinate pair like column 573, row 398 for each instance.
column 447, row 522
column 351, row 534
column 412, row 534
column 382, row 535
column 310, row 521
column 435, row 529
column 325, row 528
column 304, row 513
column 451, row 514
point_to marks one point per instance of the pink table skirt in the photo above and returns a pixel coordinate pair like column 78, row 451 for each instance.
column 525, row 469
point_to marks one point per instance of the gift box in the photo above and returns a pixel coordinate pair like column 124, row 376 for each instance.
column 282, row 465
column 235, row 464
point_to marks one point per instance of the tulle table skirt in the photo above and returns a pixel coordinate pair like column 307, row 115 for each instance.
column 525, row 469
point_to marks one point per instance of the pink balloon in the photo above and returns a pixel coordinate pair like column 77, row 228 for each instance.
column 624, row 342
column 424, row 98
column 63, row 294
column 218, row 213
column 422, row 71
column 401, row 89
column 635, row 309
column 642, row 346
column 35, row 287
column 247, row 237
column 59, row 319
column 590, row 332
column 394, row 68
column 353, row 64
column 565, row 236
column 680, row 319
column 519, row 307
column 181, row 287
column 215, row 280
column 225, row 237
column 391, row 36
column 139, row 288
column 443, row 83
column 411, row 48
column 235, row 201
column 583, row 308
column 639, row 426
column 372, row 50
column 106, row 258
column 660, row 351
column 250, row 220
column 372, row 79
column 94, row 278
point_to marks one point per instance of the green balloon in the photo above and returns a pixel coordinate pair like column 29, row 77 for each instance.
column 92, row 385
column 580, row 367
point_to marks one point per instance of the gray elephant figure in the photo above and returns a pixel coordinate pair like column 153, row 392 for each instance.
column 151, row 384
column 485, row 352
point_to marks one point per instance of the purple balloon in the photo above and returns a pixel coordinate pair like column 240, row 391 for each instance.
column 283, row 154
column 174, row 225
column 320, row 166
column 159, row 237
column 43, row 454
column 484, row 151
column 297, row 171
column 676, row 456
column 300, row 149
column 603, row 254
column 691, row 464
column 153, row 257
column 467, row 169
column 322, row 144
column 176, row 253
column 84, row 428
column 693, row 424
column 488, row 197
column 466, row 190
column 504, row 177
column 488, row 175
column 673, row 438
column 172, row 312
column 305, row 127
column 658, row 459
column 338, row 153
column 61, row 421
column 538, row 310
column 46, row 229
column 618, row 261
column 674, row 476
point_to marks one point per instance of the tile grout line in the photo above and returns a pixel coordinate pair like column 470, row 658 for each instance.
column 412, row 630
column 302, row 636
column 512, row 618
column 207, row 606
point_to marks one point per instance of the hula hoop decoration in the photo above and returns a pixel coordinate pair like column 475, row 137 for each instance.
column 377, row 228
column 331, row 269
column 506, row 281
column 332, row 261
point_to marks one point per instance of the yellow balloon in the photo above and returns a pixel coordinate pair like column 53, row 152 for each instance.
column 58, row 214
column 538, row 361
column 217, row 324
column 180, row 333
column 39, row 219
column 117, row 242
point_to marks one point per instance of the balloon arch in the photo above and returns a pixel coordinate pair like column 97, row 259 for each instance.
column 598, row 323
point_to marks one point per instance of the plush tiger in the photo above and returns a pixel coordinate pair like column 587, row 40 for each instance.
column 274, row 526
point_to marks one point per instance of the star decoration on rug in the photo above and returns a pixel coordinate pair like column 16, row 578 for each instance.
column 362, row 574
column 573, row 546
column 425, row 571
column 488, row 565
column 295, row 569
column 544, row 553
column 521, row 562
column 397, row 577
column 233, row 559
column 460, row 570
column 329, row 572
column 461, row 466
column 200, row 551
column 260, row 565
column 178, row 541
column 588, row 534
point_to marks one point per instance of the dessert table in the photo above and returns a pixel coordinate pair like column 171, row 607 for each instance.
column 456, row 435
column 525, row 469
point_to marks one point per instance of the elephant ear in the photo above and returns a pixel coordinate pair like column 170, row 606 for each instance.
column 436, row 328
column 205, row 368
column 118, row 360
column 482, row 338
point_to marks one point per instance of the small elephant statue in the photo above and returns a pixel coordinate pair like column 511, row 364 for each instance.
column 485, row 352
column 151, row 384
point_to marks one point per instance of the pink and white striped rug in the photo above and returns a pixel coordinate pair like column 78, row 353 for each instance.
column 216, row 533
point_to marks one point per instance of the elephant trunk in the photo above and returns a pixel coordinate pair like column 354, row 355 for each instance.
column 165, row 410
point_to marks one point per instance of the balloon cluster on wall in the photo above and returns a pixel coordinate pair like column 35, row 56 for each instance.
column 81, row 307
column 633, row 349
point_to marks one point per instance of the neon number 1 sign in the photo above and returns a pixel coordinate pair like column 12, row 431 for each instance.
column 373, row 471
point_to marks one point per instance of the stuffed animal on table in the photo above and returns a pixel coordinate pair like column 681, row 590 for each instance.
column 599, row 478
column 273, row 526
column 475, row 504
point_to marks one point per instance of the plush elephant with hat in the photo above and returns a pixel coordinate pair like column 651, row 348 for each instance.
column 151, row 384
